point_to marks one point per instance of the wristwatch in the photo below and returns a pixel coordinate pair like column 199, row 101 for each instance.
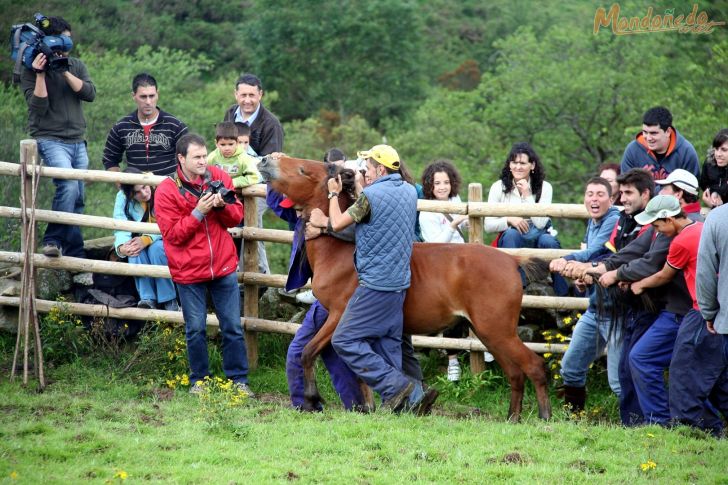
column 333, row 194
column 595, row 264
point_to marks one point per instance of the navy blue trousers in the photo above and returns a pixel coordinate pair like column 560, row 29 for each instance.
column 699, row 375
column 369, row 339
column 649, row 358
column 635, row 325
column 344, row 380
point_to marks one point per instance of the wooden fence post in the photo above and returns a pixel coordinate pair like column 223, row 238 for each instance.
column 250, row 264
column 27, row 315
column 475, row 235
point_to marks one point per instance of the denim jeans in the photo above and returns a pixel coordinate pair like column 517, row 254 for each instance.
column 369, row 339
column 590, row 337
column 225, row 294
column 534, row 238
column 69, row 193
column 160, row 290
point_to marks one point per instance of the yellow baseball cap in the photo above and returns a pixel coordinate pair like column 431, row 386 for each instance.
column 384, row 154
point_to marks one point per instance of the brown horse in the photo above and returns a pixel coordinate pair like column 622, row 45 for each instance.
column 448, row 281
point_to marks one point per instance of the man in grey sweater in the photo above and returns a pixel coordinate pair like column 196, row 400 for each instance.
column 701, row 376
column 55, row 120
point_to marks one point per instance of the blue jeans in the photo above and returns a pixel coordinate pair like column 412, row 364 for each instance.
column 160, row 290
column 534, row 238
column 699, row 375
column 225, row 294
column 369, row 339
column 69, row 193
column 344, row 380
column 590, row 337
column 648, row 360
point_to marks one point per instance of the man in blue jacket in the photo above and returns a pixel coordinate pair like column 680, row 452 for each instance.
column 591, row 333
column 659, row 148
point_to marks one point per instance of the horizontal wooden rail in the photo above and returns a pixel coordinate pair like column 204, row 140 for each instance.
column 474, row 209
column 251, row 324
column 249, row 278
column 564, row 211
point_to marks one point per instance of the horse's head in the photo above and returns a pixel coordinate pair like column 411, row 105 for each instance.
column 303, row 181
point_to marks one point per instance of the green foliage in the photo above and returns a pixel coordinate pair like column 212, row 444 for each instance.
column 348, row 57
column 63, row 335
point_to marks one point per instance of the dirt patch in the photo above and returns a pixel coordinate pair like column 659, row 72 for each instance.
column 514, row 458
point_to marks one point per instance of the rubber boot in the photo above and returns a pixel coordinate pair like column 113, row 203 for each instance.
column 575, row 399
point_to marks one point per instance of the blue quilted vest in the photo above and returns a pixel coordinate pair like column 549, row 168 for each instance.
column 384, row 242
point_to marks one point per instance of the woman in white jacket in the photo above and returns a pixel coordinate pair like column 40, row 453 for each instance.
column 523, row 181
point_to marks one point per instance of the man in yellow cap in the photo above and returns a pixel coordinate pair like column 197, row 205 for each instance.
column 369, row 335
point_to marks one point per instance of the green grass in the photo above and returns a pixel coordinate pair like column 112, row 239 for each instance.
column 97, row 423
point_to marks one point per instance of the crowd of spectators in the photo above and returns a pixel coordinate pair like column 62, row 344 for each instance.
column 647, row 263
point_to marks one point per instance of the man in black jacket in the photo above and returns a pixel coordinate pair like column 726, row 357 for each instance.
column 148, row 135
column 266, row 132
column 54, row 92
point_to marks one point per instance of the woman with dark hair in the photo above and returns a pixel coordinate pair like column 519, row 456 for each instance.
column 135, row 202
column 522, row 182
column 441, row 181
column 714, row 175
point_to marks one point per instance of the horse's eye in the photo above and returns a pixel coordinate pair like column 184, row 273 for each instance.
column 301, row 171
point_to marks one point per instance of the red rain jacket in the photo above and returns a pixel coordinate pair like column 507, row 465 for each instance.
column 196, row 250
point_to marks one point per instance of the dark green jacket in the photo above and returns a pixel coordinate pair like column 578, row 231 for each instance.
column 60, row 115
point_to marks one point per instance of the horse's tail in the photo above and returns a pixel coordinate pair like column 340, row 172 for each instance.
column 535, row 269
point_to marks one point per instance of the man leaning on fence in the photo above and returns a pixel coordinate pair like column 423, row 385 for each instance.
column 194, row 220
column 54, row 92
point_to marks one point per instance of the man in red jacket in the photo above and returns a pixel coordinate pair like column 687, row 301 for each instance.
column 202, row 257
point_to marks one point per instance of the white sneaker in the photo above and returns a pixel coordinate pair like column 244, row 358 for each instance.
column 307, row 297
column 488, row 356
column 453, row 371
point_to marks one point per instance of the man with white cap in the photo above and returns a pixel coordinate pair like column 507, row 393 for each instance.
column 683, row 185
column 651, row 355
column 369, row 335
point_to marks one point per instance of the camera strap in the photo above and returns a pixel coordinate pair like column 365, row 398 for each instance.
column 186, row 187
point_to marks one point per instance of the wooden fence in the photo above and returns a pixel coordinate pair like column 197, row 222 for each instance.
column 250, row 278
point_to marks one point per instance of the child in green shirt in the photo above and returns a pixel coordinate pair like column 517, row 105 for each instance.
column 232, row 157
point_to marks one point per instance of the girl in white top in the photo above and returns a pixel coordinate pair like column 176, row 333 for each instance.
column 441, row 181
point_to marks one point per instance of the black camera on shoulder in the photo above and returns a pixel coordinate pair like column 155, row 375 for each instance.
column 218, row 187
column 28, row 40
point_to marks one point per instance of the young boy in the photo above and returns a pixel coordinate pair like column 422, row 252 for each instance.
column 231, row 156
column 244, row 139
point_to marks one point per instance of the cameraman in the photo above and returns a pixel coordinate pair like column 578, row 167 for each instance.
column 54, row 91
column 202, row 257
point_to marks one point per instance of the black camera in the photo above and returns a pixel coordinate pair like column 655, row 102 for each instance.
column 28, row 40
column 217, row 187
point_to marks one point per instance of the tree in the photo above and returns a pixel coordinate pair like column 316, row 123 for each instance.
column 350, row 57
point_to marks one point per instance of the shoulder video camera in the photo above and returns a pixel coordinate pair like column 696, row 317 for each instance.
column 28, row 40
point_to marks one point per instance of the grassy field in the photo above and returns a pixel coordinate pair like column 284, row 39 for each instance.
column 114, row 418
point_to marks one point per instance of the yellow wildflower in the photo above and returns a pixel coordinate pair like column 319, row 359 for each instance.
column 13, row 475
column 650, row 465
column 185, row 380
column 121, row 475
column 567, row 321
column 547, row 355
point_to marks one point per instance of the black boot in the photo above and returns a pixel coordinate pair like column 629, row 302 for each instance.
column 575, row 399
